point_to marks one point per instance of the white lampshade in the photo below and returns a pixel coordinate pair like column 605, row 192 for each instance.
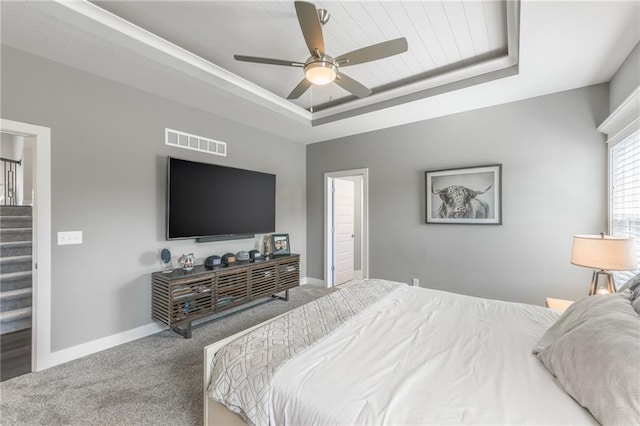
column 604, row 252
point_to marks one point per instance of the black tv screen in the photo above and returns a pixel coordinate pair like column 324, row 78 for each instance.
column 207, row 200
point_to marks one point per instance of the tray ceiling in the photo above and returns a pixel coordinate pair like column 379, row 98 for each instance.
column 449, row 42
column 548, row 53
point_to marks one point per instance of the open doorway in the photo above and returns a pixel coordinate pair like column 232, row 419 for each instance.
column 346, row 226
column 16, row 254
column 25, row 247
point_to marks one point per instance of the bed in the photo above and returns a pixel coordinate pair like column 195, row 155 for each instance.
column 381, row 352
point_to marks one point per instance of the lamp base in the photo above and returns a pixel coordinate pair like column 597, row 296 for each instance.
column 594, row 288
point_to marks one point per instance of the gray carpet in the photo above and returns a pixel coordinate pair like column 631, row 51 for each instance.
column 156, row 380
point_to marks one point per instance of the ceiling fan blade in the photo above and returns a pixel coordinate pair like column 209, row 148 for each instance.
column 351, row 85
column 310, row 26
column 299, row 89
column 267, row 61
column 373, row 52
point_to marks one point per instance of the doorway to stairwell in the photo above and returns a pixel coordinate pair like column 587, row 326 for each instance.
column 25, row 248
column 16, row 254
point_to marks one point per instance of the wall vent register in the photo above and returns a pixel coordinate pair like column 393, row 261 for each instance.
column 185, row 140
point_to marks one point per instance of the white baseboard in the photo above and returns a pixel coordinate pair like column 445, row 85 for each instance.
column 312, row 281
column 84, row 349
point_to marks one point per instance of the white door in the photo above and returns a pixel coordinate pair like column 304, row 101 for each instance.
column 343, row 226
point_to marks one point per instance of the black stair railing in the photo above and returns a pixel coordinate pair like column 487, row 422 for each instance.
column 9, row 168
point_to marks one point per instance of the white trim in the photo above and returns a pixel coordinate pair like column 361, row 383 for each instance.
column 328, row 279
column 84, row 349
column 624, row 120
column 41, row 285
column 312, row 281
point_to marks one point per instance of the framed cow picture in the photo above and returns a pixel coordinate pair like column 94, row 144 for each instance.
column 471, row 195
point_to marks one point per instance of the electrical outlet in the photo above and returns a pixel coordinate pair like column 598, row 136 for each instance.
column 415, row 282
column 70, row 237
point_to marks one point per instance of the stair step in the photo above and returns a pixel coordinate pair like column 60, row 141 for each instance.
column 12, row 300
column 16, row 325
column 15, row 264
column 15, row 294
column 15, row 320
column 8, row 222
column 15, row 280
column 15, row 211
column 15, row 234
column 15, row 248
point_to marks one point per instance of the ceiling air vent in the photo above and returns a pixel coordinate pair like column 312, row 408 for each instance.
column 193, row 142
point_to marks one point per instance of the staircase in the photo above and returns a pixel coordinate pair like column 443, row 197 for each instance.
column 15, row 268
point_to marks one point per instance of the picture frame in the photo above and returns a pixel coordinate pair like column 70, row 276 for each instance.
column 281, row 245
column 469, row 195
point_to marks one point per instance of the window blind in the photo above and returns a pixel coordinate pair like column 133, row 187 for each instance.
column 624, row 209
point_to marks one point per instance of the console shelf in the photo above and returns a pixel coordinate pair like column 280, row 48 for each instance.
column 180, row 297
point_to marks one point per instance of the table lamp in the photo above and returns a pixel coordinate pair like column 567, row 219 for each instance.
column 604, row 254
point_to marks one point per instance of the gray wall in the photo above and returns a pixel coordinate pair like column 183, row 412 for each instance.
column 554, row 186
column 108, row 180
column 625, row 80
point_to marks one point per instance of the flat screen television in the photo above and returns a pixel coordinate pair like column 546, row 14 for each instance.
column 211, row 202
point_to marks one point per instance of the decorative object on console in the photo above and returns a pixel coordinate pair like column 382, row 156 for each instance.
column 242, row 256
column 281, row 245
column 471, row 195
column 255, row 255
column 212, row 261
column 228, row 258
column 187, row 261
column 603, row 253
column 165, row 258
column 267, row 245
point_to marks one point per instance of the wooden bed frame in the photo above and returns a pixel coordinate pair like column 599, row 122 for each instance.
column 214, row 412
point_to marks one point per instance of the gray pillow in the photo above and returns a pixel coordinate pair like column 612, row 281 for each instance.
column 633, row 284
column 579, row 312
column 597, row 358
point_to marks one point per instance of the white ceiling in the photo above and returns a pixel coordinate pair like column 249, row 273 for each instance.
column 562, row 45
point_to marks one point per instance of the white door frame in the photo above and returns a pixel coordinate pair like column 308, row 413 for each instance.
column 41, row 284
column 328, row 276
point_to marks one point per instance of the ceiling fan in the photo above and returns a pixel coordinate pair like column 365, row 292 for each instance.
column 321, row 68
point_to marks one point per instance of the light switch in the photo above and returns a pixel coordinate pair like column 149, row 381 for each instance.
column 69, row 237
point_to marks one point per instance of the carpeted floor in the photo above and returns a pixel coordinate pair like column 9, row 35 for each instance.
column 156, row 380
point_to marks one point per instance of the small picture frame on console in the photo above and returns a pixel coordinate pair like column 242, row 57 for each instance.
column 281, row 245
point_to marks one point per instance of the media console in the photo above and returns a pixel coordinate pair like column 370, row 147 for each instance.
column 180, row 297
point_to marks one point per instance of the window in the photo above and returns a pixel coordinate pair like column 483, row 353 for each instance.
column 624, row 207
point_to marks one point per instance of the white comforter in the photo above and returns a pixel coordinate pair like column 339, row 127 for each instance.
column 426, row 357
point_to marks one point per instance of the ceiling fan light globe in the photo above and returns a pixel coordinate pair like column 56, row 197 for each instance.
column 321, row 72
